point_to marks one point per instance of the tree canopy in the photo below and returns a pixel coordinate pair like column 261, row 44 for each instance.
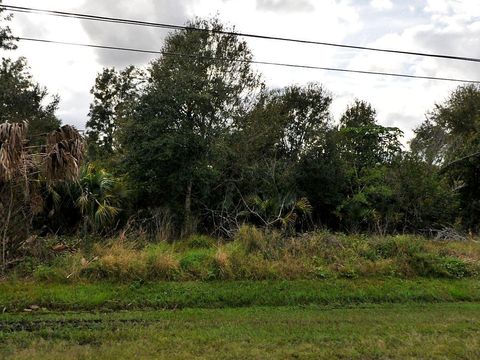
column 22, row 99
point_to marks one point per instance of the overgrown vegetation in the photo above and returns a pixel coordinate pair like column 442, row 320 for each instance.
column 189, row 147
column 254, row 255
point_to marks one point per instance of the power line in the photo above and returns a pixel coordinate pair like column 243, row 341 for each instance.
column 247, row 35
column 309, row 67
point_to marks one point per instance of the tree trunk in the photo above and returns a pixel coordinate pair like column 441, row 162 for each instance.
column 188, row 223
column 5, row 232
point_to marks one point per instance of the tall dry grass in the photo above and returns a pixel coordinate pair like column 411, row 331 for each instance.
column 255, row 255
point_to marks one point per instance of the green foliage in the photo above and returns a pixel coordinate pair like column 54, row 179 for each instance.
column 21, row 99
column 423, row 199
column 257, row 255
column 364, row 142
column 48, row 273
column 397, row 246
column 100, row 198
column 450, row 138
column 7, row 40
column 94, row 204
column 183, row 116
column 198, row 263
column 251, row 238
column 286, row 123
column 115, row 96
column 199, row 242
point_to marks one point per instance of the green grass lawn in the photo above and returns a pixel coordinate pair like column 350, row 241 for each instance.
column 16, row 296
column 387, row 318
column 388, row 331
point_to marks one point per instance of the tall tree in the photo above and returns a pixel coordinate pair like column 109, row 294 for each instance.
column 367, row 148
column 22, row 99
column 115, row 95
column 288, row 122
column 364, row 142
column 193, row 98
column 450, row 138
column 283, row 126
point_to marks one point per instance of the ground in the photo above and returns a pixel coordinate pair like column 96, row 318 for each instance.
column 387, row 331
column 386, row 318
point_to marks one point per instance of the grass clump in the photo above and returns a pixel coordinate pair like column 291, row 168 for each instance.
column 251, row 238
column 119, row 262
column 198, row 264
column 163, row 263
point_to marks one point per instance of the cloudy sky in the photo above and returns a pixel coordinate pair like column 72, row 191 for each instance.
column 439, row 26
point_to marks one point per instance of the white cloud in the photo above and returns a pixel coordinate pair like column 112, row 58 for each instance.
column 441, row 26
column 381, row 4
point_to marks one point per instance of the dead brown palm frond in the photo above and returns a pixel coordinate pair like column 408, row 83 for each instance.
column 12, row 136
column 65, row 149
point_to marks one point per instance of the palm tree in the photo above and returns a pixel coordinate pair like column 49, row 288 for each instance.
column 100, row 199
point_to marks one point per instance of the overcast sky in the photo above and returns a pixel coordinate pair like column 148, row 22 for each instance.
column 440, row 26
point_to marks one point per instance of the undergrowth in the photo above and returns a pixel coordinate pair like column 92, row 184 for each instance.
column 258, row 255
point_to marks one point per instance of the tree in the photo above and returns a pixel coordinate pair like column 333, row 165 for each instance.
column 368, row 150
column 284, row 127
column 24, row 172
column 21, row 99
column 7, row 40
column 321, row 176
column 171, row 144
column 364, row 142
column 116, row 94
column 100, row 198
column 423, row 199
column 450, row 138
column 287, row 122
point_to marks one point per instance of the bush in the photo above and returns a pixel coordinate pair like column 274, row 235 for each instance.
column 255, row 255
column 164, row 266
column 222, row 265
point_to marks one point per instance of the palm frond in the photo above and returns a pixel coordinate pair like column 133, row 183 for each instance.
column 65, row 150
column 12, row 136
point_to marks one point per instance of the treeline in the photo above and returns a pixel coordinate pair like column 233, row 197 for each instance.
column 202, row 137
column 198, row 143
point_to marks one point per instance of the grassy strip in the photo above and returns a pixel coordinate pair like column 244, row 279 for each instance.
column 433, row 331
column 169, row 295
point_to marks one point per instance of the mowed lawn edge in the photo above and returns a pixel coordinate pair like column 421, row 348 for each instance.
column 16, row 296
column 379, row 331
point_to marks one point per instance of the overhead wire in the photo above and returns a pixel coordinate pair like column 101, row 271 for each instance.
column 268, row 63
column 117, row 20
